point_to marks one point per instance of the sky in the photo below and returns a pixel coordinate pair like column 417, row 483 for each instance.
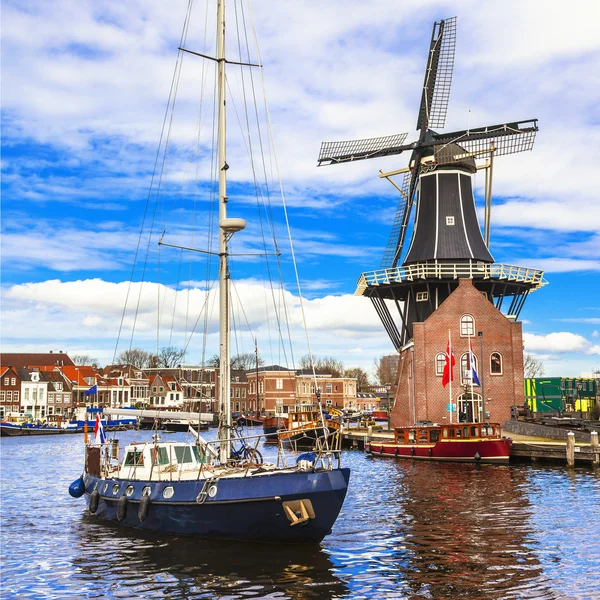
column 85, row 87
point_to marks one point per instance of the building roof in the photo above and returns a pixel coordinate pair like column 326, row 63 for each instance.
column 46, row 359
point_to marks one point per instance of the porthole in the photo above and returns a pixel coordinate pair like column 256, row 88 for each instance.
column 212, row 491
column 147, row 491
column 168, row 492
column 105, row 488
column 115, row 489
column 129, row 491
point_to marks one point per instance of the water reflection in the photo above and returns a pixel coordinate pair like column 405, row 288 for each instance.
column 467, row 528
column 179, row 567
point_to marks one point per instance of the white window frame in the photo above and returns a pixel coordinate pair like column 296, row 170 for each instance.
column 422, row 296
column 440, row 359
column 467, row 326
column 501, row 364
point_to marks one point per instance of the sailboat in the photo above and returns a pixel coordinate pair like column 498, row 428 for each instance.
column 215, row 489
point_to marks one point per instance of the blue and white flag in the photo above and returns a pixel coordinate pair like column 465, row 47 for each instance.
column 99, row 435
column 92, row 390
column 474, row 376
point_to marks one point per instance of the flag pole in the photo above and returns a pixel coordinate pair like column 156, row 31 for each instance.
column 451, row 372
column 471, row 361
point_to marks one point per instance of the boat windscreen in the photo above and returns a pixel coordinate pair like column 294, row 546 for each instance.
column 183, row 454
column 160, row 456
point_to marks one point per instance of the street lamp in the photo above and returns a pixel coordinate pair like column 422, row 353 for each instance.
column 388, row 387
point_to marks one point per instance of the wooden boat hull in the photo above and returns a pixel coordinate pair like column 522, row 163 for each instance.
column 495, row 451
column 241, row 508
column 271, row 426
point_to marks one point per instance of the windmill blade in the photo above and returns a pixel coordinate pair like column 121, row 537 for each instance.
column 508, row 138
column 338, row 152
column 395, row 245
column 438, row 75
column 396, row 233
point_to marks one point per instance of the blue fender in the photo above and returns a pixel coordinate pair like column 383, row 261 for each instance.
column 77, row 488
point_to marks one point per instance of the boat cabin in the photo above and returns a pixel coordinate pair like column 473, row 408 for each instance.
column 431, row 434
column 150, row 461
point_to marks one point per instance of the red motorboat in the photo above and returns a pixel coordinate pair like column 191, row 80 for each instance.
column 463, row 442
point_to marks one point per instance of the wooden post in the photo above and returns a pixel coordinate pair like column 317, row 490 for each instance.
column 85, row 431
column 570, row 449
column 595, row 449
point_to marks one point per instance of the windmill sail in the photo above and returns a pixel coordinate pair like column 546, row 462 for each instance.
column 398, row 233
column 438, row 75
column 337, row 152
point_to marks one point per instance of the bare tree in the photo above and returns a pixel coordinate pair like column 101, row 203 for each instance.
column 84, row 360
column 533, row 367
column 214, row 361
column 170, row 356
column 383, row 371
column 327, row 364
column 246, row 361
column 362, row 378
column 137, row 357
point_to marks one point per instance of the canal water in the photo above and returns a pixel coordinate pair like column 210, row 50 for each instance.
column 407, row 530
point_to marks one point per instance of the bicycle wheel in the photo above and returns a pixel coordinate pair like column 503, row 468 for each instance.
column 253, row 455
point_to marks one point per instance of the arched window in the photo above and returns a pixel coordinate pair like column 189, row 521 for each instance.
column 465, row 368
column 440, row 361
column 496, row 363
column 467, row 326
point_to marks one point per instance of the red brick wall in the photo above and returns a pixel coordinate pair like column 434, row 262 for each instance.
column 430, row 338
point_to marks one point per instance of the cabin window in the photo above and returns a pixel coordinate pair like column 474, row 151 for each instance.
column 422, row 296
column 487, row 430
column 473, row 431
column 440, row 363
column 444, row 433
column 467, row 326
column 434, row 435
column 466, row 432
column 183, row 454
column 134, row 458
column 412, row 434
column 199, row 454
column 160, row 454
column 496, row 363
column 423, row 437
column 458, row 433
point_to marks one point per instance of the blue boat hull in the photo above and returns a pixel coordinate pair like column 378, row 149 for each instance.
column 243, row 508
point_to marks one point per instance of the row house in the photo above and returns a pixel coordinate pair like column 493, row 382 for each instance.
column 10, row 392
column 60, row 400
column 241, row 401
column 273, row 387
column 198, row 384
column 165, row 392
column 127, row 386
column 337, row 392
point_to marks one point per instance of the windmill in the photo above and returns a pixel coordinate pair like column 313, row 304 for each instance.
column 446, row 239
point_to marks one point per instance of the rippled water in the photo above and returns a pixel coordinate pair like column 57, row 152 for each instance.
column 407, row 530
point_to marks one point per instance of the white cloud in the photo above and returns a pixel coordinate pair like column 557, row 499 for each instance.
column 595, row 333
column 87, row 314
column 558, row 342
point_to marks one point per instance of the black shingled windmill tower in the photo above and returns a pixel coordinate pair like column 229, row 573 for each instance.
column 447, row 243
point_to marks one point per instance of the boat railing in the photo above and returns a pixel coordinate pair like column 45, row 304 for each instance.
column 107, row 459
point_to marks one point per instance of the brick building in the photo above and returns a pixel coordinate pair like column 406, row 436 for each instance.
column 466, row 314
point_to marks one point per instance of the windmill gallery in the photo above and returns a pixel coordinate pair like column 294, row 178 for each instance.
column 453, row 303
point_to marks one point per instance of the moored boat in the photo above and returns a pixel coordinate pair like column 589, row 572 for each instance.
column 14, row 429
column 462, row 442
column 215, row 489
column 309, row 426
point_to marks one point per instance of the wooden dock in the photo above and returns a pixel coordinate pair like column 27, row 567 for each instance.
column 522, row 450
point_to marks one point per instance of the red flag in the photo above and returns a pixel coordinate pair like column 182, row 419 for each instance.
column 449, row 362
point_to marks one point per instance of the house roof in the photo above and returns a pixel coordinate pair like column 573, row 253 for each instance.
column 35, row 359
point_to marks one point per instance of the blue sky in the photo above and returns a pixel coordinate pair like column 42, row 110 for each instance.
column 85, row 87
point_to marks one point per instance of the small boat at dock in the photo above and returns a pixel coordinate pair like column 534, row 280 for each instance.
column 461, row 442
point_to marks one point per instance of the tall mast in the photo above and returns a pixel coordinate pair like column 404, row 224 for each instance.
column 224, row 379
